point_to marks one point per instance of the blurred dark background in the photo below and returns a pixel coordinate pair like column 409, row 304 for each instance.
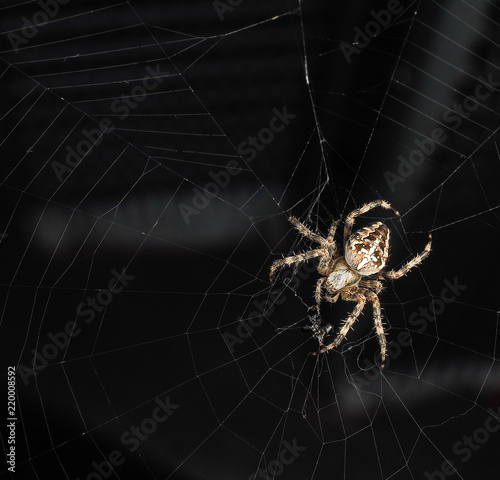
column 135, row 262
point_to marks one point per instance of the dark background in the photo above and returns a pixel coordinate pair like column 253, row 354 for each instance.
column 224, row 74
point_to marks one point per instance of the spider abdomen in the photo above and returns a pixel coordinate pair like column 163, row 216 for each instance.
column 367, row 249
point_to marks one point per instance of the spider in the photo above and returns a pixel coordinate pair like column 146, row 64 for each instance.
column 356, row 276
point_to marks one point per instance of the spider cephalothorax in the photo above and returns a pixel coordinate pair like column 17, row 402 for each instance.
column 355, row 276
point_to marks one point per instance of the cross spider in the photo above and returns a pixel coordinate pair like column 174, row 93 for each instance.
column 355, row 276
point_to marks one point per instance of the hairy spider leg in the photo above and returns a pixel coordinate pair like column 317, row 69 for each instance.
column 306, row 232
column 328, row 251
column 300, row 257
column 379, row 328
column 395, row 274
column 359, row 297
column 349, row 221
column 374, row 285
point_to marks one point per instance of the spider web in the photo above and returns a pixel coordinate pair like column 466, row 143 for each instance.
column 151, row 156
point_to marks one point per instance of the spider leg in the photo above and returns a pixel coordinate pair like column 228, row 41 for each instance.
column 395, row 274
column 331, row 235
column 374, row 285
column 317, row 294
column 349, row 221
column 325, row 264
column 306, row 232
column 331, row 298
column 300, row 257
column 379, row 329
column 347, row 325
